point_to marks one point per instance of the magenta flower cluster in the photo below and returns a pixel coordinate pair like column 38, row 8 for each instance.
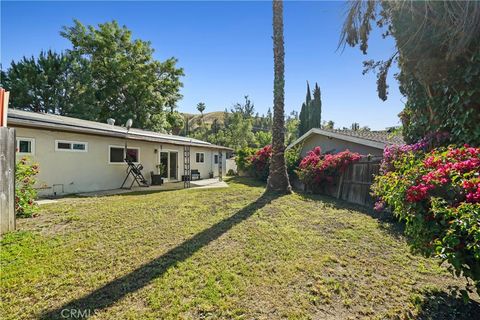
column 316, row 168
column 394, row 152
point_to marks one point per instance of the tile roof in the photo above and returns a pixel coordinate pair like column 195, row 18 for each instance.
column 51, row 121
column 379, row 136
column 375, row 139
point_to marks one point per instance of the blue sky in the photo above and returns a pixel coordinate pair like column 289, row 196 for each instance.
column 226, row 51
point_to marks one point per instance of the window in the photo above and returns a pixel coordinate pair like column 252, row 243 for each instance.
column 26, row 145
column 200, row 157
column 73, row 146
column 117, row 154
column 132, row 155
column 215, row 159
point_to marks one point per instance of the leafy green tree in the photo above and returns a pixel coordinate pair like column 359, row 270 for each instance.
column 269, row 119
column 175, row 121
column 328, row 125
column 239, row 133
column 291, row 129
column 439, row 60
column 51, row 83
column 278, row 178
column 215, row 128
column 246, row 110
column 127, row 81
column 263, row 138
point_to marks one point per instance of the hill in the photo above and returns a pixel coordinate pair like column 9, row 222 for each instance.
column 208, row 118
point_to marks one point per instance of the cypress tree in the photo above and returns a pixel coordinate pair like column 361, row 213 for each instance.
column 316, row 115
column 302, row 118
column 309, row 96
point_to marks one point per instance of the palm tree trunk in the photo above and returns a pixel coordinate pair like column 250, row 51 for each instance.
column 278, row 178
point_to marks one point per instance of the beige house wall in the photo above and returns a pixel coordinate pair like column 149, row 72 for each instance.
column 335, row 145
column 66, row 172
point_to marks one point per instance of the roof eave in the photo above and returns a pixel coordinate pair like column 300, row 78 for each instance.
column 358, row 140
column 31, row 123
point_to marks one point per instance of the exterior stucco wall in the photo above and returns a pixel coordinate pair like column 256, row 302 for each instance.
column 66, row 172
column 335, row 145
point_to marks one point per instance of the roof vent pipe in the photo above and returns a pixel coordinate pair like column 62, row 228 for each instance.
column 111, row 121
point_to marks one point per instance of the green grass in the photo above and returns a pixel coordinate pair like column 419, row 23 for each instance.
column 218, row 254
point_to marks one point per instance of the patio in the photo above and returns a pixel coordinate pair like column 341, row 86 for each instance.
column 198, row 184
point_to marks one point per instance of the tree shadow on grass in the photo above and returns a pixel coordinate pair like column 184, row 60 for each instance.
column 115, row 290
column 440, row 305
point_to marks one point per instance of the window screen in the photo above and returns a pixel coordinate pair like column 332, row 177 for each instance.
column 78, row 146
column 25, row 146
column 116, row 154
column 64, row 145
column 215, row 159
column 71, row 146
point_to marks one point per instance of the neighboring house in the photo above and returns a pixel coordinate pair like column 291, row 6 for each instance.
column 77, row 155
column 333, row 141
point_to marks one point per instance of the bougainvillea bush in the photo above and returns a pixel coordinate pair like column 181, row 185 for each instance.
column 318, row 170
column 437, row 195
column 25, row 194
column 259, row 162
column 393, row 152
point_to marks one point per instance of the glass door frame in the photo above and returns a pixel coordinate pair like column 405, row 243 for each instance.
column 168, row 152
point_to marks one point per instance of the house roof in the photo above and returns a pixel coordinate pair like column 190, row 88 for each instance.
column 68, row 124
column 374, row 139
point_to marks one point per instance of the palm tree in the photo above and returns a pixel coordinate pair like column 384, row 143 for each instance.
column 201, row 107
column 278, row 178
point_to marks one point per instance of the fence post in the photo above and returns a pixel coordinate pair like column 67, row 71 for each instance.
column 7, row 179
column 340, row 185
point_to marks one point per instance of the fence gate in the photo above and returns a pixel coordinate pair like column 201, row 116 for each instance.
column 7, row 179
column 355, row 182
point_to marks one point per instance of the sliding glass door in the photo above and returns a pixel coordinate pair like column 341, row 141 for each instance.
column 168, row 161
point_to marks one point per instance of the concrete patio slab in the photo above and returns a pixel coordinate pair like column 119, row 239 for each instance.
column 197, row 184
column 45, row 201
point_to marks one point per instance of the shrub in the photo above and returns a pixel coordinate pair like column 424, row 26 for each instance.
column 25, row 194
column 437, row 195
column 393, row 152
column 260, row 162
column 231, row 173
column 292, row 161
column 242, row 158
column 317, row 170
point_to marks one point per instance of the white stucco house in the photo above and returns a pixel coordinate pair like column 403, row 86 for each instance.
column 333, row 141
column 77, row 155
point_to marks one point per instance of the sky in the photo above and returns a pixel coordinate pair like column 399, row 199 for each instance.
column 225, row 48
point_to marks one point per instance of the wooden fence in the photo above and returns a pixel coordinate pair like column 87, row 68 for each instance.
column 7, row 179
column 354, row 184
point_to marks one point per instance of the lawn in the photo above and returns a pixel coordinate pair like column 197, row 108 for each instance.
column 219, row 254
